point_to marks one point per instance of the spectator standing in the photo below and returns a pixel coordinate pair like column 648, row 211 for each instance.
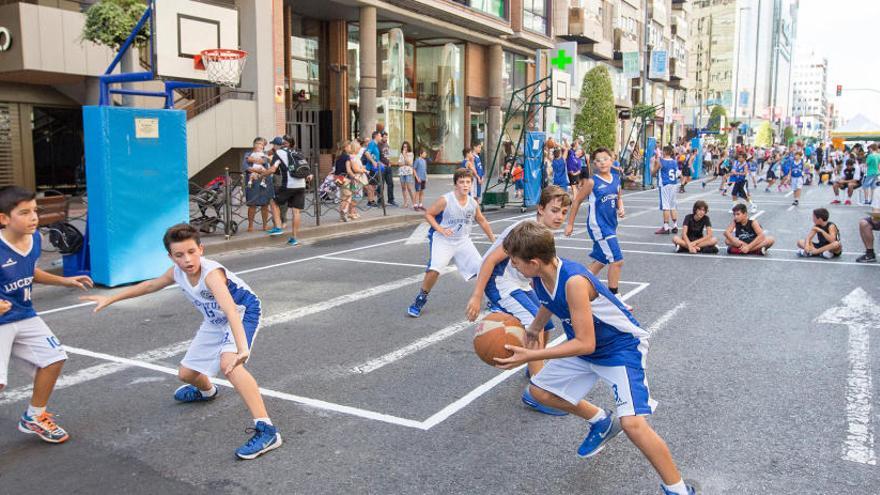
column 372, row 161
column 387, row 172
column 420, row 174
column 258, row 193
column 344, row 180
column 573, row 155
column 478, row 167
column 293, row 189
column 405, row 172
column 872, row 171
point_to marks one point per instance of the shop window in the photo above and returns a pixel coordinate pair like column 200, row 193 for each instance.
column 535, row 15
column 491, row 7
column 305, row 68
column 514, row 76
column 439, row 119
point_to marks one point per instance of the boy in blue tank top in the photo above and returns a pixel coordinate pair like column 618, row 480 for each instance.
column 604, row 208
column 223, row 342
column 604, row 342
column 666, row 170
column 23, row 334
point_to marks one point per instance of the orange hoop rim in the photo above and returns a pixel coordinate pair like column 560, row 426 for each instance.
column 223, row 54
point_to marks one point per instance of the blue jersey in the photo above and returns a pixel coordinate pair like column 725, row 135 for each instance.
column 739, row 168
column 753, row 166
column 478, row 164
column 668, row 171
column 786, row 164
column 602, row 213
column 560, row 173
column 18, row 279
column 797, row 169
column 620, row 341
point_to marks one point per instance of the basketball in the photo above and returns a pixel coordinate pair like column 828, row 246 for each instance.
column 494, row 332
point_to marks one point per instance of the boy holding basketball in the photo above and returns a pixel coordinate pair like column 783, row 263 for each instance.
column 223, row 342
column 511, row 292
column 604, row 342
column 449, row 238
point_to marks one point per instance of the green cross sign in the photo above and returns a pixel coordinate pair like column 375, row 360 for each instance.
column 561, row 60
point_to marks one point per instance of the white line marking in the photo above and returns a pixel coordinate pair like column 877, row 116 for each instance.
column 756, row 215
column 419, row 234
column 65, row 308
column 734, row 257
column 95, row 372
column 374, row 364
column 311, row 309
column 789, row 193
column 640, row 213
column 476, row 393
column 790, row 208
column 860, row 314
column 661, row 322
column 669, row 244
column 318, row 404
column 376, row 262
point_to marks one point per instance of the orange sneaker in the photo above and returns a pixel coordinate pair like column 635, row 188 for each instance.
column 44, row 426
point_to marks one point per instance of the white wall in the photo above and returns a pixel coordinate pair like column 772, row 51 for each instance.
column 229, row 124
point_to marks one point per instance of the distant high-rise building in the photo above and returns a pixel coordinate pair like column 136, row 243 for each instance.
column 809, row 101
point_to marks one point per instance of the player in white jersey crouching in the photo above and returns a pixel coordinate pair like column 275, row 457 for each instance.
column 231, row 313
column 449, row 239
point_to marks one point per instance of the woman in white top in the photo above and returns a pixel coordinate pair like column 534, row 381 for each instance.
column 405, row 171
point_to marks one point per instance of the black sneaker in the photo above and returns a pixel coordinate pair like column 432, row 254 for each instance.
column 674, row 230
column 866, row 258
column 709, row 250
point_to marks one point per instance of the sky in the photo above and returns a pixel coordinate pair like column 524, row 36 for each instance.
column 846, row 32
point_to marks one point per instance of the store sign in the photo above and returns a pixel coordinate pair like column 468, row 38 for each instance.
column 659, row 64
column 631, row 65
column 5, row 39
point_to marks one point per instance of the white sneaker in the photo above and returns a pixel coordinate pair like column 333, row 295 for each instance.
column 801, row 253
column 827, row 255
column 754, row 208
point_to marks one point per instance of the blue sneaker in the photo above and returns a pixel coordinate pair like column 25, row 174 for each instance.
column 265, row 438
column 190, row 393
column 691, row 490
column 274, row 232
column 600, row 434
column 292, row 242
column 415, row 310
column 537, row 406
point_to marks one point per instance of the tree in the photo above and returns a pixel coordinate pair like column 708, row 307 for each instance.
column 109, row 22
column 597, row 119
column 788, row 134
column 718, row 118
column 764, row 136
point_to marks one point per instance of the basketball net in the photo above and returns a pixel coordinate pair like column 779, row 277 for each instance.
column 223, row 65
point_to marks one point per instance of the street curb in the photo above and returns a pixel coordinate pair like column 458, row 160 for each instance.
column 314, row 234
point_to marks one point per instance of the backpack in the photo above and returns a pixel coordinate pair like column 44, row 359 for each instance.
column 65, row 237
column 298, row 165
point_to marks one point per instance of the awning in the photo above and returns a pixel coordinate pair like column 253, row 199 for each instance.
column 859, row 128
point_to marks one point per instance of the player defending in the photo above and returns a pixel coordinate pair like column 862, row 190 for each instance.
column 23, row 334
column 666, row 169
column 509, row 291
column 604, row 207
column 744, row 235
column 604, row 342
column 223, row 342
column 452, row 215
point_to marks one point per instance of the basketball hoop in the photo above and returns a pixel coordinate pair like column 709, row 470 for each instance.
column 223, row 65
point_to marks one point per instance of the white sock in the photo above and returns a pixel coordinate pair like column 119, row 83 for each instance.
column 264, row 420
column 34, row 411
column 210, row 392
column 674, row 223
column 598, row 417
column 665, row 226
column 680, row 488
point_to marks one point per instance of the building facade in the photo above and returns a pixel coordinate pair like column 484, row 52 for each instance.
column 809, row 99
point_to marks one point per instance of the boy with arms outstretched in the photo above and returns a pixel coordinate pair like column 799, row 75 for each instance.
column 23, row 334
column 223, row 342
column 511, row 292
column 449, row 238
column 605, row 207
column 604, row 342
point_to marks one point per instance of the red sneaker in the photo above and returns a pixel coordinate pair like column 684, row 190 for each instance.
column 847, row 202
column 733, row 250
column 661, row 230
column 836, row 202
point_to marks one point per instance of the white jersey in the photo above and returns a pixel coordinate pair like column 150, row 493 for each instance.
column 204, row 301
column 459, row 219
column 505, row 276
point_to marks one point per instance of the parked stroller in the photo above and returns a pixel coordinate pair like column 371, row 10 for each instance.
column 209, row 202
column 328, row 191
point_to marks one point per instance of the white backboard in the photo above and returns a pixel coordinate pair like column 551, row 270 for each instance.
column 182, row 29
column 560, row 84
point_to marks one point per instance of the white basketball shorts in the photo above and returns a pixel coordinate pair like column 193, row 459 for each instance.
column 668, row 197
column 31, row 342
column 442, row 251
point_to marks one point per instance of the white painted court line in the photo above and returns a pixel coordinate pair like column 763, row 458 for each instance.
column 318, row 404
column 669, row 244
column 756, row 215
column 734, row 257
column 419, row 234
column 375, row 262
column 442, row 334
column 789, row 193
column 661, row 322
column 311, row 309
column 374, row 364
column 478, row 392
column 790, row 208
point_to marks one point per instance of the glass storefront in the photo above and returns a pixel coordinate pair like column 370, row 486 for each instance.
column 439, row 117
column 514, row 77
column 491, row 7
column 305, row 62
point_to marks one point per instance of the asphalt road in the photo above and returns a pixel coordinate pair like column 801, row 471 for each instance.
column 758, row 393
